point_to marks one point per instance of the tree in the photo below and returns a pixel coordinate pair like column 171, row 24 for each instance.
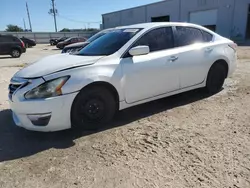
column 91, row 29
column 65, row 30
column 14, row 28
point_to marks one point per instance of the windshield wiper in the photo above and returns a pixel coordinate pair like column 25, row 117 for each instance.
column 91, row 54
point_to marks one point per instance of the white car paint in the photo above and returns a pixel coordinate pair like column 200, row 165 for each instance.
column 154, row 71
column 137, row 79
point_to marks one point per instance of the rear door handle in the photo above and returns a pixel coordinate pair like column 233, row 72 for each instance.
column 173, row 58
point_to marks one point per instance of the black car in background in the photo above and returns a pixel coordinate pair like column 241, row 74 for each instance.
column 74, row 47
column 10, row 45
column 56, row 41
column 28, row 42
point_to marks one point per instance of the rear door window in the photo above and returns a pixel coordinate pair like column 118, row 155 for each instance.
column 187, row 36
column 157, row 39
column 14, row 39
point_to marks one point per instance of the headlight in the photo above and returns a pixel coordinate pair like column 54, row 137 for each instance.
column 48, row 89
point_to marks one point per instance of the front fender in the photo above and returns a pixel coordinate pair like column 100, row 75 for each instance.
column 82, row 76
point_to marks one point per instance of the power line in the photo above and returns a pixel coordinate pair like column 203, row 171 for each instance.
column 78, row 21
column 55, row 13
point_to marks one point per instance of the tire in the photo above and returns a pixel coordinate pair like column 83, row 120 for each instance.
column 27, row 45
column 216, row 78
column 93, row 108
column 15, row 53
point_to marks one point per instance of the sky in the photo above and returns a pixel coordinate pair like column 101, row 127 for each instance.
column 71, row 13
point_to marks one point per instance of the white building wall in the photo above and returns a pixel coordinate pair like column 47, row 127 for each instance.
column 133, row 16
column 164, row 8
column 231, row 19
column 112, row 20
column 239, row 25
column 204, row 17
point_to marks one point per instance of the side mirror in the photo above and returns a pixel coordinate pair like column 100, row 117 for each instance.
column 139, row 50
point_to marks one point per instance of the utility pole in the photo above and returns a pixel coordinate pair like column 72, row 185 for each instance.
column 54, row 13
column 24, row 24
column 28, row 16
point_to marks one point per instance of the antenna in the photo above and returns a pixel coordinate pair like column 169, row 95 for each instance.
column 28, row 16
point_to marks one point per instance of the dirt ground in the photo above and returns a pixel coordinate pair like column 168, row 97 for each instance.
column 31, row 55
column 189, row 140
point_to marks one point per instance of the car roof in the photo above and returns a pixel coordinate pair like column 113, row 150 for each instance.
column 155, row 24
column 162, row 24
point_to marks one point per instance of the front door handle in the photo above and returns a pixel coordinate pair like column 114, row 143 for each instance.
column 173, row 58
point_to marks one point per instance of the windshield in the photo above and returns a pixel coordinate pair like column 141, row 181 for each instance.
column 96, row 36
column 62, row 38
column 68, row 39
column 109, row 43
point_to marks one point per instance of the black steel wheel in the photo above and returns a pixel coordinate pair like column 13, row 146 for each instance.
column 93, row 108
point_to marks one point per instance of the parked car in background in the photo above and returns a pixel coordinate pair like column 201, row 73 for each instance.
column 28, row 42
column 56, row 41
column 71, row 40
column 78, row 46
column 10, row 45
column 71, row 48
column 124, row 68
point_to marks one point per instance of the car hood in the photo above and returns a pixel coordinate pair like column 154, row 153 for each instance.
column 55, row 63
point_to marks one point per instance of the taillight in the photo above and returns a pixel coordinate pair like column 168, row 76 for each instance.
column 233, row 46
column 22, row 44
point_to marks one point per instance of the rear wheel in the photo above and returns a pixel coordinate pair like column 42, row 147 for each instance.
column 216, row 78
column 15, row 53
column 93, row 108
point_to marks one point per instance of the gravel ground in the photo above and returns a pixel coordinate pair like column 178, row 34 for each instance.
column 188, row 140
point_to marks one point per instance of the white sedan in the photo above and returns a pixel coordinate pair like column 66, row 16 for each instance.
column 126, row 67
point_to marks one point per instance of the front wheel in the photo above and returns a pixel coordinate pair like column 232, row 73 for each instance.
column 216, row 78
column 93, row 108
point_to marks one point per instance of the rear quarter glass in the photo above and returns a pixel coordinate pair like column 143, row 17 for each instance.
column 207, row 36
